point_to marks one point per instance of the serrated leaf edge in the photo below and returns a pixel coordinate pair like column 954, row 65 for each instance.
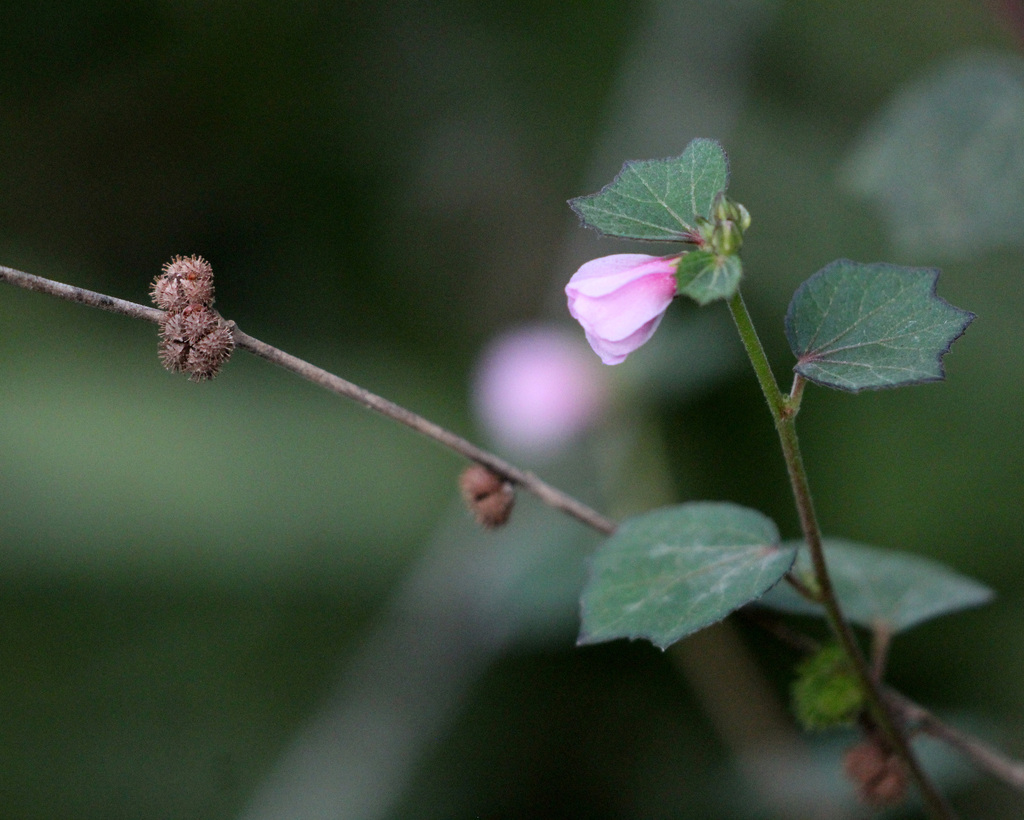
column 966, row 318
column 628, row 167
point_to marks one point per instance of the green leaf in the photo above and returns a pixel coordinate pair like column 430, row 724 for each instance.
column 705, row 277
column 670, row 572
column 883, row 588
column 944, row 160
column 659, row 199
column 855, row 326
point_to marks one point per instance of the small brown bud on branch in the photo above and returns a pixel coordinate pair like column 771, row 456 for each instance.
column 879, row 775
column 489, row 497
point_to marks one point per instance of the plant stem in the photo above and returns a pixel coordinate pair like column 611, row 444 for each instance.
column 783, row 413
column 992, row 760
column 984, row 756
column 71, row 293
column 551, row 496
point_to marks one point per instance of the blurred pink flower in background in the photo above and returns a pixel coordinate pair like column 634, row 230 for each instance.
column 620, row 299
column 536, row 388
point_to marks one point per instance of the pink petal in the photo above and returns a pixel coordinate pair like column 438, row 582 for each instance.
column 608, row 273
column 618, row 315
column 615, row 352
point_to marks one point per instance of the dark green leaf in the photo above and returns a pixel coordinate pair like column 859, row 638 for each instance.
column 670, row 572
column 879, row 587
column 706, row 277
column 856, row 326
column 659, row 199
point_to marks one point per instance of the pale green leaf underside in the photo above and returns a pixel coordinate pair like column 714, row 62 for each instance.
column 945, row 161
column 706, row 277
column 673, row 571
column 658, row 199
column 857, row 326
column 887, row 588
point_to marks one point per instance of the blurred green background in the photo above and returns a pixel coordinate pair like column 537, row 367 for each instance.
column 212, row 595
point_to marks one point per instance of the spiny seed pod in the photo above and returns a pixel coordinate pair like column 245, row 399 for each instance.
column 174, row 348
column 186, row 280
column 197, row 321
column 209, row 353
column 489, row 497
column 174, row 355
column 194, row 339
column 879, row 775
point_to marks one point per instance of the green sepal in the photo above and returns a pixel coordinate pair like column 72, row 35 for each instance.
column 706, row 277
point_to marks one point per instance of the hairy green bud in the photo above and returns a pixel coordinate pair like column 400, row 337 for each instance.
column 827, row 692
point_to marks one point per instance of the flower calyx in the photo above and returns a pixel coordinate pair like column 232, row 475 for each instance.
column 722, row 234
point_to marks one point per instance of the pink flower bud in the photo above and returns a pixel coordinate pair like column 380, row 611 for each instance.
column 620, row 300
column 536, row 388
